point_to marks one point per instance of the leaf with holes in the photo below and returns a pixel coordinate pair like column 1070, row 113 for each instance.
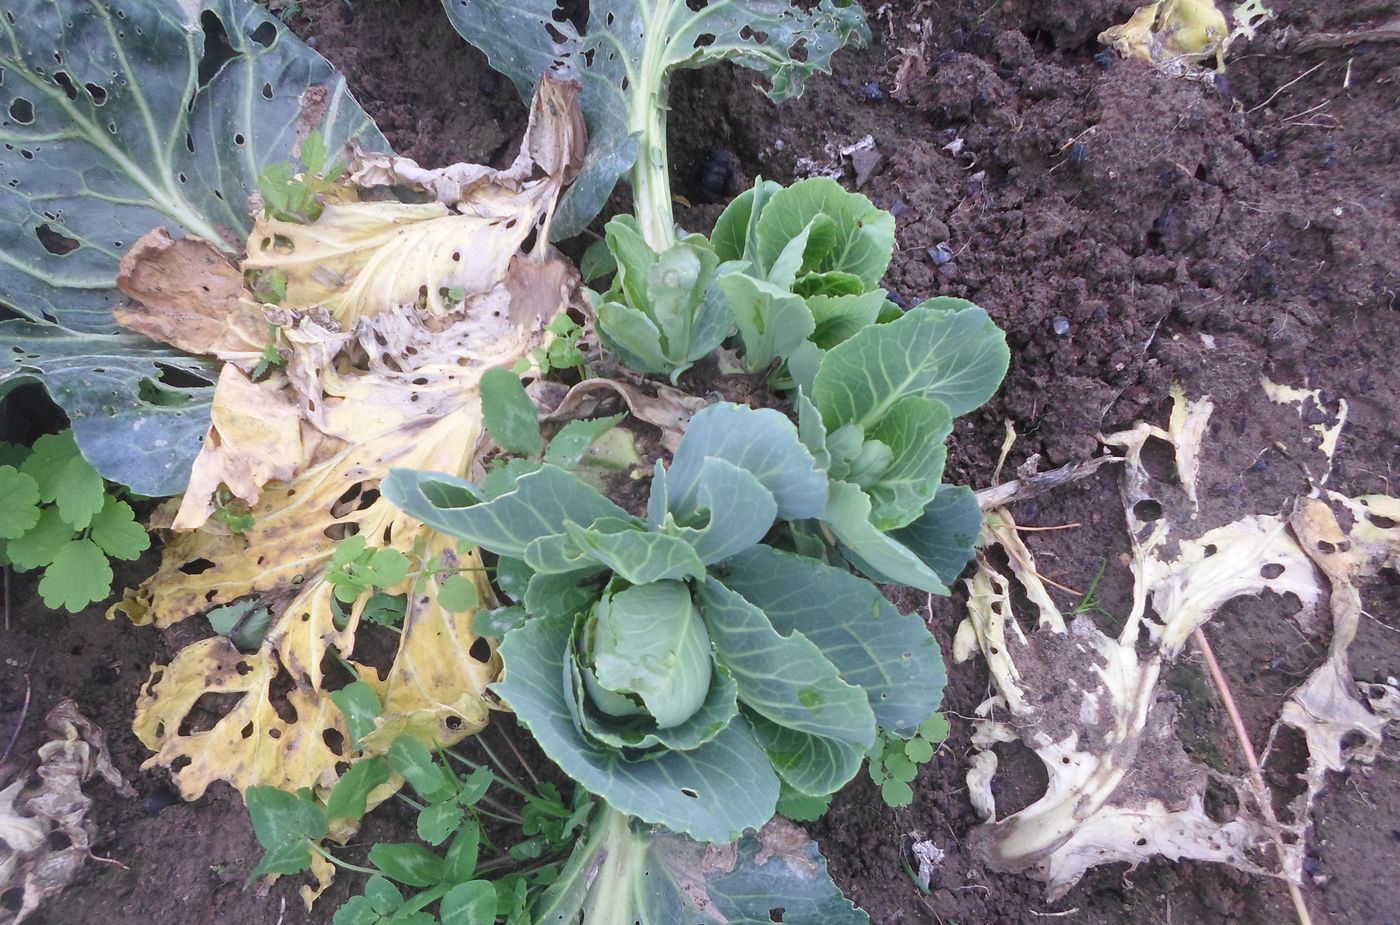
column 411, row 398
column 121, row 116
column 623, row 872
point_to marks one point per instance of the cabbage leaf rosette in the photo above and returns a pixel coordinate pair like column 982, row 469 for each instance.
column 674, row 665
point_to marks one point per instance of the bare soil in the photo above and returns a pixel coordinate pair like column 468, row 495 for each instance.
column 1128, row 230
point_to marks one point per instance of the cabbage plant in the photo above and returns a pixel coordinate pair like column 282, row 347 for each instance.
column 674, row 665
column 663, row 311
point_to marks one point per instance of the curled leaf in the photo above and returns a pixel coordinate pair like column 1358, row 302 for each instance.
column 51, row 803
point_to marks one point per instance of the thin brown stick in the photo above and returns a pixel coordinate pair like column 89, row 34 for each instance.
column 1275, row 94
column 1024, row 529
column 519, row 757
column 19, row 724
column 1256, row 774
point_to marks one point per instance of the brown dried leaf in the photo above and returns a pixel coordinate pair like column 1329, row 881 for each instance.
column 665, row 408
column 188, row 295
column 52, row 800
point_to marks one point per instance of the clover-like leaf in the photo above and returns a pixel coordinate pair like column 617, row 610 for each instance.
column 438, row 821
column 115, row 530
column 568, row 447
column 350, row 794
column 361, row 707
column 19, row 503
column 65, row 478
column 407, row 862
column 459, row 594
column 411, row 759
column 470, row 903
column 78, row 576
column 41, row 544
column 282, row 822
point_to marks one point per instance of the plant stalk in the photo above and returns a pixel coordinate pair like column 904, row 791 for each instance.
column 651, row 173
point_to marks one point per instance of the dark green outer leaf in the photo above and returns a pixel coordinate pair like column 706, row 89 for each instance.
column 945, row 535
column 732, row 784
column 103, row 175
column 847, row 515
column 782, row 676
column 538, row 506
column 892, row 657
column 812, row 764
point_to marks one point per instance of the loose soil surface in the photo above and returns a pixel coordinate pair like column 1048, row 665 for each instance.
column 1128, row 230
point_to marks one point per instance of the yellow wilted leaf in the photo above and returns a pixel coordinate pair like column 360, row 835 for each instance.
column 1175, row 34
column 363, row 257
column 383, row 382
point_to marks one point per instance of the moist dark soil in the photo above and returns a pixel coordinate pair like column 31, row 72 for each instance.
column 1128, row 230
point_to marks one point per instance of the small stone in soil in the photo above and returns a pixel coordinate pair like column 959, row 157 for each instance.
column 940, row 254
column 866, row 161
column 159, row 800
column 1060, row 325
column 871, row 90
column 107, row 673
